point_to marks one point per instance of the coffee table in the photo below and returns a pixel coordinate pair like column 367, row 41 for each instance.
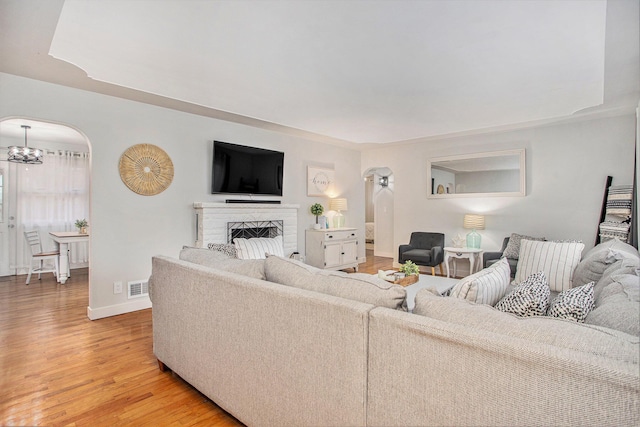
column 442, row 284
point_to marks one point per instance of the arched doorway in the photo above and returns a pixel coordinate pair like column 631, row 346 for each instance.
column 379, row 200
column 46, row 197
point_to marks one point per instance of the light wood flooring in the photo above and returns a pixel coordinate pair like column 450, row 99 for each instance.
column 58, row 368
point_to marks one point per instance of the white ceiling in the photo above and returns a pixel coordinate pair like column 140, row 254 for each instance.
column 357, row 71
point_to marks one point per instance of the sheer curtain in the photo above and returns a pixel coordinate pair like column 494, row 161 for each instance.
column 51, row 197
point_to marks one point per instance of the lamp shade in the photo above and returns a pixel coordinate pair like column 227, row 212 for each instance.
column 475, row 222
column 338, row 204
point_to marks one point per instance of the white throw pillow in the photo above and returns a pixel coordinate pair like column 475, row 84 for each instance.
column 486, row 286
column 259, row 247
column 558, row 260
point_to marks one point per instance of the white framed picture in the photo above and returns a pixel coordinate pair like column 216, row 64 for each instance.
column 319, row 181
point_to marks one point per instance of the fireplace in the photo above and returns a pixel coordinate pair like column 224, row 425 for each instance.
column 222, row 222
column 253, row 229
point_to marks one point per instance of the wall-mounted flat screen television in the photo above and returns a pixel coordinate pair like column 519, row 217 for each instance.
column 239, row 169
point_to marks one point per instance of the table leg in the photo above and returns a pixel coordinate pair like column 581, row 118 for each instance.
column 446, row 262
column 63, row 270
column 472, row 262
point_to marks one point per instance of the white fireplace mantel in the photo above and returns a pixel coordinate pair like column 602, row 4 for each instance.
column 212, row 219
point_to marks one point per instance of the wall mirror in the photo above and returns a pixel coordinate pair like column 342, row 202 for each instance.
column 498, row 173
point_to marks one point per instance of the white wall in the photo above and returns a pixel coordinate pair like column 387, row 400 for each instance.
column 128, row 229
column 567, row 166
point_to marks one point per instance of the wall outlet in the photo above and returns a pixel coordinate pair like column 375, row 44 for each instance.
column 117, row 287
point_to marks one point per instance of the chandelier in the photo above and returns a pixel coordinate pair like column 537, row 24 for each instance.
column 25, row 154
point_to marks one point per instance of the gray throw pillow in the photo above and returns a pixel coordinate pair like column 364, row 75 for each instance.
column 619, row 305
column 599, row 258
column 513, row 247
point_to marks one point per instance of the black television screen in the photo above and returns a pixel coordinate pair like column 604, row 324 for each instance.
column 238, row 169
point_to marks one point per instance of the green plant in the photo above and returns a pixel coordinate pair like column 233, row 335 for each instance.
column 80, row 223
column 317, row 210
column 409, row 268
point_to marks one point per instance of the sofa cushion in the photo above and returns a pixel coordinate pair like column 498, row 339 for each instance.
column 623, row 266
column 418, row 256
column 225, row 248
column 221, row 261
column 596, row 261
column 357, row 286
column 529, row 298
column 259, row 247
column 513, row 247
column 573, row 304
column 619, row 305
column 541, row 329
column 558, row 260
column 487, row 286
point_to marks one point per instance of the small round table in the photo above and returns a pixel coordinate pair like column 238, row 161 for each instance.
column 473, row 255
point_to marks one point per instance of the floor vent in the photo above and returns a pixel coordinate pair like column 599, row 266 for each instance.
column 138, row 288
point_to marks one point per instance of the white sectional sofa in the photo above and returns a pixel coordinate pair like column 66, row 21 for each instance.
column 275, row 342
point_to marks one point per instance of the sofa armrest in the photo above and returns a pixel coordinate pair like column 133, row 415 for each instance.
column 488, row 256
column 437, row 254
column 402, row 249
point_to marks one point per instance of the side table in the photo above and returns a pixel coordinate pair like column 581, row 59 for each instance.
column 473, row 255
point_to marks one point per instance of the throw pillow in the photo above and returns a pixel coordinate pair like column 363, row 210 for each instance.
column 486, row 286
column 225, row 248
column 558, row 260
column 573, row 304
column 598, row 259
column 513, row 247
column 259, row 247
column 618, row 305
column 530, row 298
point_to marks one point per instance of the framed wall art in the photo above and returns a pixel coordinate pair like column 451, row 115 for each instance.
column 319, row 181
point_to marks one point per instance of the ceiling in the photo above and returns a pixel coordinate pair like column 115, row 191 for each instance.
column 338, row 71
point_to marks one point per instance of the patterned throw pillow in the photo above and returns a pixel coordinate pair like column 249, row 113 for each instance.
column 512, row 250
column 573, row 304
column 529, row 298
column 259, row 247
column 486, row 286
column 225, row 248
column 558, row 260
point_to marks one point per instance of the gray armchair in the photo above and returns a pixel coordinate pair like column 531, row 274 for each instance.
column 491, row 258
column 426, row 249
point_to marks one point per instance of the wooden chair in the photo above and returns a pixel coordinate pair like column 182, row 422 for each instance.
column 35, row 244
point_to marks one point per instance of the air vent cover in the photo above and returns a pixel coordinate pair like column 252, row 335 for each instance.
column 138, row 288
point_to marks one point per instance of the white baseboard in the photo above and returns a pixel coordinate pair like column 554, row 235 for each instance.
column 114, row 310
column 383, row 254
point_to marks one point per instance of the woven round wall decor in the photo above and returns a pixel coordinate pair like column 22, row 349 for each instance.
column 146, row 169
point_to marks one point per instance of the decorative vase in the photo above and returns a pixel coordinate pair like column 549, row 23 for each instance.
column 473, row 239
column 317, row 226
column 83, row 230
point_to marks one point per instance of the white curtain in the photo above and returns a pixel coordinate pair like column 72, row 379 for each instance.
column 51, row 197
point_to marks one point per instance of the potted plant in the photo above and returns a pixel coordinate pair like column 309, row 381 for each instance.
column 81, row 225
column 409, row 268
column 317, row 209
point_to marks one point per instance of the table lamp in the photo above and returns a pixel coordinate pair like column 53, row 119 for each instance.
column 338, row 204
column 473, row 222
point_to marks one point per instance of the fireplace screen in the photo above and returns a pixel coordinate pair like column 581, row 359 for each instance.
column 251, row 229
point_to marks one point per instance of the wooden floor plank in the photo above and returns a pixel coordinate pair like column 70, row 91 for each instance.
column 58, row 368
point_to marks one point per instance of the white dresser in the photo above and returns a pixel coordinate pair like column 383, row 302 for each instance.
column 332, row 249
